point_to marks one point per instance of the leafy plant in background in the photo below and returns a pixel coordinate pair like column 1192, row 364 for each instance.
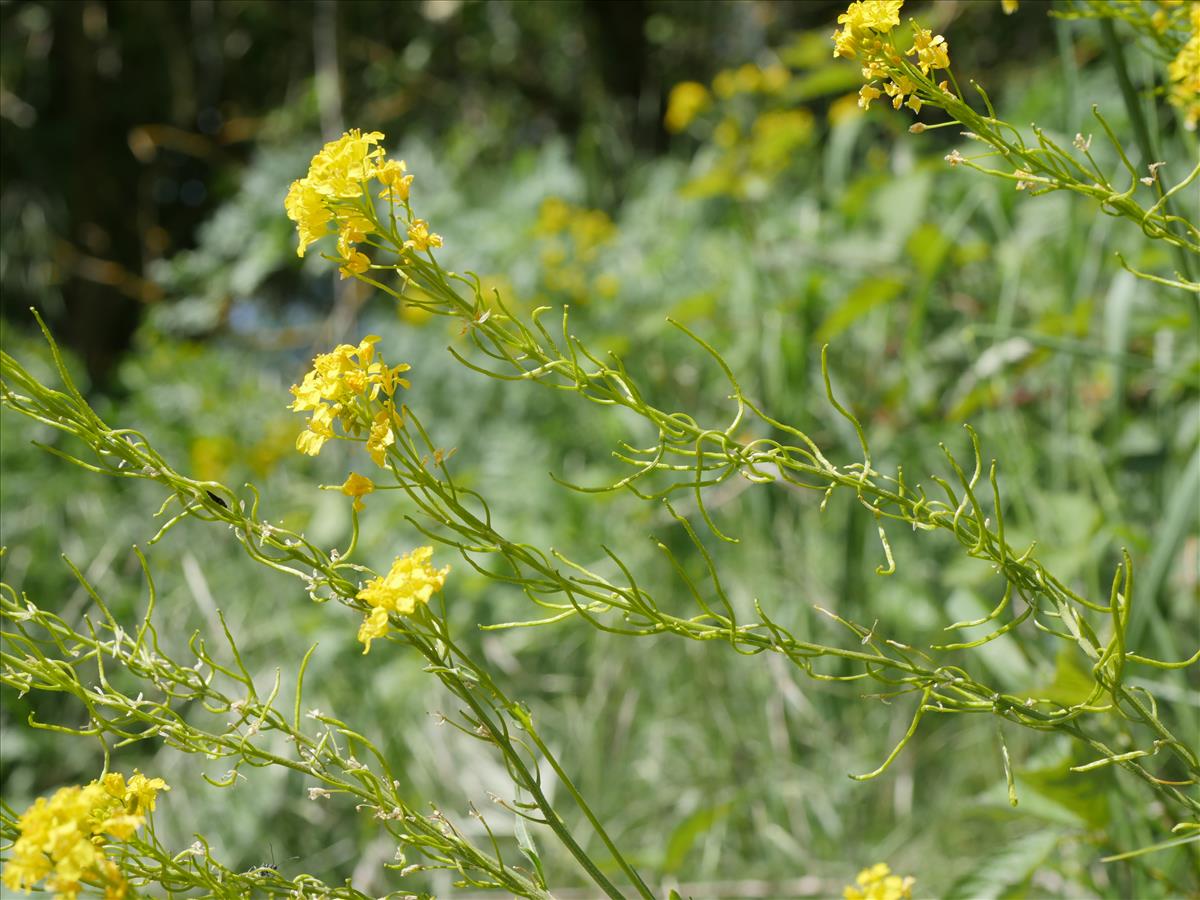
column 671, row 458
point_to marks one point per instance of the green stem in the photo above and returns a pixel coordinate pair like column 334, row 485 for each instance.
column 1137, row 120
column 463, row 690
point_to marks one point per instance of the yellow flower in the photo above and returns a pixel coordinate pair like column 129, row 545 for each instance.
column 142, row 791
column 122, row 826
column 336, row 176
column 419, row 237
column 357, row 486
column 866, row 94
column 878, row 15
column 374, row 625
column 396, row 183
column 352, row 228
column 898, row 88
column 356, row 263
column 862, row 23
column 877, row 883
column 336, row 379
column 307, row 209
column 687, row 100
column 342, row 166
column 61, row 840
column 410, row 581
column 381, row 437
column 310, row 442
column 389, row 379
column 847, row 44
column 932, row 50
column 1009, row 6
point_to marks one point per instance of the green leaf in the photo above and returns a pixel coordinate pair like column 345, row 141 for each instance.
column 1070, row 685
column 869, row 294
column 1006, row 872
column 688, row 832
column 528, row 849
column 1083, row 794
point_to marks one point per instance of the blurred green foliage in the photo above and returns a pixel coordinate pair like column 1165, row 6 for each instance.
column 535, row 133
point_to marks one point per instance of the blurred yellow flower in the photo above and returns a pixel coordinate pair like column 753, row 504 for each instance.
column 725, row 83
column 357, row 486
column 589, row 229
column 877, row 883
column 410, row 581
column 775, row 78
column 1183, row 75
column 553, row 215
column 748, row 78
column 727, row 133
column 777, row 135
column 1009, row 6
column 843, row 109
column 686, row 101
column 606, row 285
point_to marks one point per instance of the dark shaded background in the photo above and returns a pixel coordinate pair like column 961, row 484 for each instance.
column 123, row 125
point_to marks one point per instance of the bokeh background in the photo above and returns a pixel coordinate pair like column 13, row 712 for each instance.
column 146, row 150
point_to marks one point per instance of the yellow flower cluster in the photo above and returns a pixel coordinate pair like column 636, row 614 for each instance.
column 62, row 839
column 588, row 229
column 410, row 581
column 570, row 240
column 864, row 25
column 336, row 191
column 330, row 391
column 1183, row 75
column 750, row 79
column 335, row 183
column 688, row 99
column 878, row 883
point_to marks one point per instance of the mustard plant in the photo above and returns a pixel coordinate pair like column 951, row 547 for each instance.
column 356, row 196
